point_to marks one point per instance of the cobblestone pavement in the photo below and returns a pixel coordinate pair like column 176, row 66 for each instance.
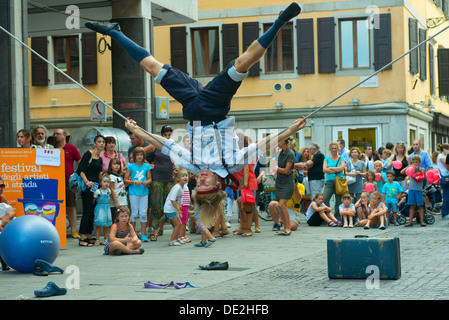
column 425, row 276
column 262, row 267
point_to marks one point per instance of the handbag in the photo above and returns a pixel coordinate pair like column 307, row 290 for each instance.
column 351, row 179
column 269, row 183
column 341, row 184
column 248, row 197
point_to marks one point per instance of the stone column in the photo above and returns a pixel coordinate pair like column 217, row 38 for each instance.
column 132, row 87
column 14, row 98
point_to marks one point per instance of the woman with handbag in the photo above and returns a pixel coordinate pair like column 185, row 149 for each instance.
column 285, row 182
column 333, row 167
column 247, row 196
column 356, row 170
column 89, row 170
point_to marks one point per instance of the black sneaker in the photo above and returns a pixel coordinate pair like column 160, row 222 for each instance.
column 103, row 29
column 276, row 227
column 290, row 12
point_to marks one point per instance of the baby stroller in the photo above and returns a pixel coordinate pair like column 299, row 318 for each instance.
column 268, row 183
column 404, row 208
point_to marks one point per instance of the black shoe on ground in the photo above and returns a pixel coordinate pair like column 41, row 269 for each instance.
column 290, row 12
column 103, row 29
column 215, row 265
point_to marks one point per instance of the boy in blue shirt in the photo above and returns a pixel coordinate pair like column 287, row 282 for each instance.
column 391, row 194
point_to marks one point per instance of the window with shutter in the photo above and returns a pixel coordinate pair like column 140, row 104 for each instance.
column 250, row 34
column 66, row 58
column 205, row 52
column 354, row 44
column 326, row 45
column 178, row 48
column 279, row 55
column 230, row 42
column 89, row 58
column 445, row 7
column 382, row 42
column 306, row 52
column 443, row 72
column 431, row 70
column 413, row 41
column 39, row 68
column 422, row 55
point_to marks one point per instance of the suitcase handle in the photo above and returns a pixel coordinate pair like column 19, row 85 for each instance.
column 361, row 236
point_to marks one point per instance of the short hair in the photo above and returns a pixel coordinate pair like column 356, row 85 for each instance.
column 314, row 146
column 39, row 126
column 136, row 151
column 355, row 148
column 319, row 194
column 387, row 152
column 365, row 194
column 109, row 139
column 25, row 132
column 166, row 128
column 378, row 162
column 416, row 157
column 390, row 172
column 377, row 195
column 342, row 141
column 333, row 143
column 103, row 175
column 389, row 145
column 346, row 196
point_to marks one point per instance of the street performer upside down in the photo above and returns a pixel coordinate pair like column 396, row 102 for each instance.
column 215, row 154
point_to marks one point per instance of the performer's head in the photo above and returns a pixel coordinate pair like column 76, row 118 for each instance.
column 209, row 197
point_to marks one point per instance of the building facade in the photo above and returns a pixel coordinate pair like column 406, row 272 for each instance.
column 330, row 47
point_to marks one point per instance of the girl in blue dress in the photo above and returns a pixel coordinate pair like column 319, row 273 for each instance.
column 102, row 209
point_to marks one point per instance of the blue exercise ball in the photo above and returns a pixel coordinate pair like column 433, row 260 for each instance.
column 26, row 239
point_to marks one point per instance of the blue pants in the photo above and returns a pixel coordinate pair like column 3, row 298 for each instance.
column 211, row 102
column 445, row 187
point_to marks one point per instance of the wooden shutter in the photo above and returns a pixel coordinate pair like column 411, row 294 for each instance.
column 39, row 68
column 178, row 48
column 443, row 72
column 413, row 41
column 251, row 33
column 431, row 70
column 306, row 52
column 326, row 45
column 89, row 58
column 382, row 42
column 230, row 36
column 422, row 55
